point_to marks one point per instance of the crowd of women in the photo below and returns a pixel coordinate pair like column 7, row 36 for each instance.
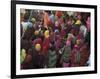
column 53, row 39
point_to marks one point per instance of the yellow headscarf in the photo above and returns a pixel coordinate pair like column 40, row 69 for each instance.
column 38, row 47
column 46, row 33
column 78, row 22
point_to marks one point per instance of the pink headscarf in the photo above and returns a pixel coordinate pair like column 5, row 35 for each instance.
column 76, row 46
column 79, row 17
column 68, row 43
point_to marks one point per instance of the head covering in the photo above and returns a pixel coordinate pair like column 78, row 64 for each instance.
column 70, row 36
column 38, row 47
column 36, row 32
column 46, row 33
column 76, row 46
column 70, row 13
column 78, row 22
column 33, row 20
column 59, row 13
column 23, row 55
column 69, row 22
column 56, row 31
column 78, row 41
column 68, row 43
column 56, row 23
column 79, row 17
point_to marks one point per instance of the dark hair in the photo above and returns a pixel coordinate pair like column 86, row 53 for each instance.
column 28, row 33
column 26, row 16
column 52, row 47
column 49, row 12
column 25, row 44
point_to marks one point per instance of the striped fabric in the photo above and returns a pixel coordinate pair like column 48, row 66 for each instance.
column 66, row 54
column 52, row 59
column 77, row 57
